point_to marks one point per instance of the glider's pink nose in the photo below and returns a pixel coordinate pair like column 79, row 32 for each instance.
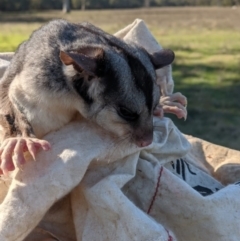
column 143, row 143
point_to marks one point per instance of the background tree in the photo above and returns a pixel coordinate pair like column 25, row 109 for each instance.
column 83, row 4
column 66, row 6
column 146, row 3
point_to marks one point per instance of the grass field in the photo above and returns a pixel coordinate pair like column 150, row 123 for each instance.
column 207, row 66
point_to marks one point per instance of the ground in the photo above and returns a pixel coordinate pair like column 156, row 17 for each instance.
column 207, row 66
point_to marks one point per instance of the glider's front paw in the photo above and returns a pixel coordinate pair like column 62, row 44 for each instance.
column 12, row 152
column 175, row 104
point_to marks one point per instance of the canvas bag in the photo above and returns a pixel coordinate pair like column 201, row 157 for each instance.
column 112, row 202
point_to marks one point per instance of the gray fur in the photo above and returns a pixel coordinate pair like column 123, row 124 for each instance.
column 106, row 78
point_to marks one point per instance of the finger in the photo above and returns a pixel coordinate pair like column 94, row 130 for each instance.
column 31, row 148
column 178, row 105
column 176, row 97
column 7, row 166
column 2, row 149
column 18, row 156
column 174, row 110
column 4, row 143
column 45, row 145
column 6, row 157
column 180, row 113
column 1, row 172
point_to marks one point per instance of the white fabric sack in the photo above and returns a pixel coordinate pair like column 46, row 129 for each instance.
column 101, row 210
column 137, row 32
column 116, row 192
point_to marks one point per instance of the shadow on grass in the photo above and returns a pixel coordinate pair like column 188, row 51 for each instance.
column 213, row 109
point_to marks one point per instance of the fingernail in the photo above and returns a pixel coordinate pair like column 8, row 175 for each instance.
column 46, row 148
column 33, row 156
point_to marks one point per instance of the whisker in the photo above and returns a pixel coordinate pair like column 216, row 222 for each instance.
column 123, row 140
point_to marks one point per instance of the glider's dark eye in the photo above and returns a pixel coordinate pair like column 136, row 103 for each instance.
column 127, row 114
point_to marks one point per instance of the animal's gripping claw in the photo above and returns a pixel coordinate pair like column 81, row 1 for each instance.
column 176, row 104
column 12, row 152
column 172, row 103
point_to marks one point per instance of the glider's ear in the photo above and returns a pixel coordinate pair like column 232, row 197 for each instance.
column 84, row 59
column 162, row 58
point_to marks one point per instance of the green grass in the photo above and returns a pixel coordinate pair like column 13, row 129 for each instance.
column 207, row 66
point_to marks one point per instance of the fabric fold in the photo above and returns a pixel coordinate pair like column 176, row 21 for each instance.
column 90, row 186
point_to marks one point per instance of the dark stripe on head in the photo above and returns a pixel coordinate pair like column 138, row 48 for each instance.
column 142, row 79
column 111, row 82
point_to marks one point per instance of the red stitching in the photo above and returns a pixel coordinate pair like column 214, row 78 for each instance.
column 156, row 190
column 170, row 238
